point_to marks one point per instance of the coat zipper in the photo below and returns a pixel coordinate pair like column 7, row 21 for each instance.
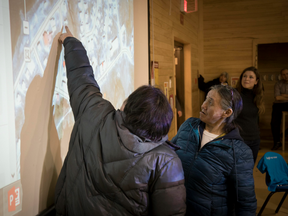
column 220, row 138
column 200, row 138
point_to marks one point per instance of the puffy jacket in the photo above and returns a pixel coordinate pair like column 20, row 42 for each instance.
column 219, row 177
column 108, row 170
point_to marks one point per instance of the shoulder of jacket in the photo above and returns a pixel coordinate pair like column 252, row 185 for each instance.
column 162, row 156
column 165, row 151
column 242, row 150
column 99, row 111
column 191, row 123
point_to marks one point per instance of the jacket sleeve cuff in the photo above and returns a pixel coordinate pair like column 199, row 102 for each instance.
column 68, row 39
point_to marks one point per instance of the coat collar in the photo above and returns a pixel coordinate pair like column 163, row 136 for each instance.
column 131, row 141
column 233, row 134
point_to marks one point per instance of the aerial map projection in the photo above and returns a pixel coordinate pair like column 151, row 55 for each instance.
column 105, row 27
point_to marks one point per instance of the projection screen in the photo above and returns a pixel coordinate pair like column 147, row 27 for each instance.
column 115, row 35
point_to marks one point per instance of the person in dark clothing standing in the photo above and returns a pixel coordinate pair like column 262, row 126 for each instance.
column 118, row 162
column 280, row 104
column 251, row 89
column 222, row 80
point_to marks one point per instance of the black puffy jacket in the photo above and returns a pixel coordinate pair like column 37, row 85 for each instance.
column 219, row 176
column 108, row 170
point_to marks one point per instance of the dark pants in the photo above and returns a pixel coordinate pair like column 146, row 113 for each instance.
column 254, row 145
column 276, row 120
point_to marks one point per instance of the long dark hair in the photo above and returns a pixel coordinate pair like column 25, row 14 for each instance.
column 258, row 89
column 230, row 99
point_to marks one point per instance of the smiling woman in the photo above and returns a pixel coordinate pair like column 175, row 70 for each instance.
column 218, row 165
column 249, row 80
column 251, row 89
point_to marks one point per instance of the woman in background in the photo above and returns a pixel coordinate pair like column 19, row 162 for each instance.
column 218, row 165
column 251, row 89
column 205, row 86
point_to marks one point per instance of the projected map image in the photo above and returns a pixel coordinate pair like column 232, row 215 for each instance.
column 105, row 27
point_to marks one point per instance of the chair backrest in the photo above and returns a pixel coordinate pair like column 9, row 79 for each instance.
column 276, row 170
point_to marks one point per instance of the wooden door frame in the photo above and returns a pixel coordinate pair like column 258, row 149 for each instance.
column 187, row 79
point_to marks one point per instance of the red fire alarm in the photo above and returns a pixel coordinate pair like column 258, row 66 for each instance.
column 189, row 6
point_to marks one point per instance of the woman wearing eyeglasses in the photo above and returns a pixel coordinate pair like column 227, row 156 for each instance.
column 218, row 165
column 251, row 89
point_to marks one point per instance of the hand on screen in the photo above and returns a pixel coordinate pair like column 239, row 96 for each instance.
column 64, row 35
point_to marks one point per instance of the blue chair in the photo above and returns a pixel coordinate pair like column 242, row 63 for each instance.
column 276, row 170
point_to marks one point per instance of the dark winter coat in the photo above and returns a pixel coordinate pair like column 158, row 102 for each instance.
column 205, row 86
column 219, row 177
column 248, row 119
column 108, row 170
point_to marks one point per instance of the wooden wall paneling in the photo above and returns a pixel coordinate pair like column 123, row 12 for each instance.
column 200, row 94
column 232, row 30
column 236, row 5
column 231, row 55
column 165, row 27
column 187, row 81
column 268, row 65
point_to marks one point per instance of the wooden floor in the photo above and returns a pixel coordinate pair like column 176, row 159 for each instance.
column 261, row 188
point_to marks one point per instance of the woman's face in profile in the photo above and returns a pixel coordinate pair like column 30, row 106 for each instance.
column 211, row 110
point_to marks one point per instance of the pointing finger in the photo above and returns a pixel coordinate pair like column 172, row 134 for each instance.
column 68, row 30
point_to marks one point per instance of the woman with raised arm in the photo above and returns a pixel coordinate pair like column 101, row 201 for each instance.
column 205, row 86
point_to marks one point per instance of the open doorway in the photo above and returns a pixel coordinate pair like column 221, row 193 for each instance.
column 179, row 72
column 272, row 57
